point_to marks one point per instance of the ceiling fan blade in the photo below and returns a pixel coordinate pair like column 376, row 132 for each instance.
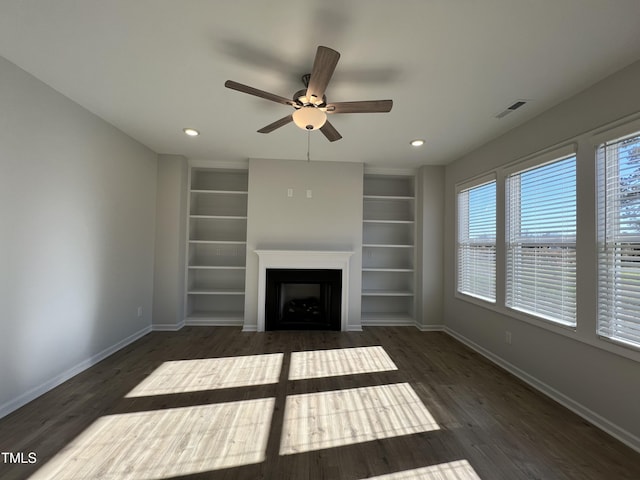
column 330, row 132
column 323, row 67
column 367, row 106
column 277, row 124
column 258, row 93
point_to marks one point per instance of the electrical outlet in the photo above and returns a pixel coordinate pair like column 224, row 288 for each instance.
column 309, row 194
column 289, row 192
column 507, row 337
column 139, row 311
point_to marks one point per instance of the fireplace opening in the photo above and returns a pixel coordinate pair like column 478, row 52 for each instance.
column 303, row 299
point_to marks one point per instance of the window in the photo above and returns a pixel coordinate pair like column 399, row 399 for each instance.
column 541, row 240
column 477, row 241
column 619, row 240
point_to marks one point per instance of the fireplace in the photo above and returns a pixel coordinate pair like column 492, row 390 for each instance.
column 303, row 299
column 317, row 260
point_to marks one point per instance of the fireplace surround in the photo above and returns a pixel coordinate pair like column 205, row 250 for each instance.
column 303, row 260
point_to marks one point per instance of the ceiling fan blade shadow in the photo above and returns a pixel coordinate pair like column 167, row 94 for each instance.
column 366, row 106
column 330, row 132
column 323, row 68
column 277, row 124
column 258, row 93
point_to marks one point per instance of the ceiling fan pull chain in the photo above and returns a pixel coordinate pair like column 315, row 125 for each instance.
column 308, row 145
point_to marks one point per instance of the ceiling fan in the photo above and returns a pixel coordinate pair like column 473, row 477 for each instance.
column 310, row 104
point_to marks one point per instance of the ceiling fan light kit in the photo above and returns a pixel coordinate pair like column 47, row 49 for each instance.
column 309, row 118
column 311, row 107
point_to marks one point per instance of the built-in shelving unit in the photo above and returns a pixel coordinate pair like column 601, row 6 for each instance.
column 217, row 241
column 388, row 249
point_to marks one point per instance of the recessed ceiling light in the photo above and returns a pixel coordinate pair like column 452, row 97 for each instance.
column 192, row 132
column 417, row 142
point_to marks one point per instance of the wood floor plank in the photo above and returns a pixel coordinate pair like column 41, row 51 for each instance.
column 218, row 403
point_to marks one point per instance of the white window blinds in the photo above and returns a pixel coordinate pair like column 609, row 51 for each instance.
column 541, row 241
column 619, row 240
column 477, row 241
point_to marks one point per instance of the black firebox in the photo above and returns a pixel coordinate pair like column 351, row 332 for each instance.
column 303, row 299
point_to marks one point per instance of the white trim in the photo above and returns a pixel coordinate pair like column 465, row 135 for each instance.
column 43, row 388
column 212, row 322
column 387, row 322
column 477, row 181
column 602, row 423
column 298, row 259
column 430, row 328
column 167, row 327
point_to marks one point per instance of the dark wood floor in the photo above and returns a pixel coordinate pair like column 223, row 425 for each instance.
column 486, row 423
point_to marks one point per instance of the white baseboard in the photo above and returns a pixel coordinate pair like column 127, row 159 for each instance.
column 212, row 322
column 167, row 327
column 388, row 323
column 250, row 328
column 429, row 328
column 39, row 390
column 602, row 423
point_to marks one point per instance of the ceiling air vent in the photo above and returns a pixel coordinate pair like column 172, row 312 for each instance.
column 511, row 108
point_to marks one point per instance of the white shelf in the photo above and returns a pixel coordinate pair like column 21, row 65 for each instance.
column 386, row 293
column 227, row 291
column 388, row 197
column 371, row 220
column 221, row 217
column 388, row 230
column 380, row 245
column 218, row 242
column 221, row 192
column 390, row 270
column 220, row 319
column 216, row 246
column 397, row 318
column 217, row 267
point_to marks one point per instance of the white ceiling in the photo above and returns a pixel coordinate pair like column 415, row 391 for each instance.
column 153, row 67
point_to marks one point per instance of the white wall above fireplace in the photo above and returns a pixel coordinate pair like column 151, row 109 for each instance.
column 303, row 259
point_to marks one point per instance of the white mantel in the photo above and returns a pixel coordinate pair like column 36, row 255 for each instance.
column 303, row 259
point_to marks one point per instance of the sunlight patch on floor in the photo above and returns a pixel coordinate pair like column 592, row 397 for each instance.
column 342, row 361
column 458, row 470
column 181, row 376
column 166, row 443
column 313, row 421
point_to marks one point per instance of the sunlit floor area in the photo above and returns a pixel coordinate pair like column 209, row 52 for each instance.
column 460, row 470
column 166, row 443
column 384, row 404
column 328, row 419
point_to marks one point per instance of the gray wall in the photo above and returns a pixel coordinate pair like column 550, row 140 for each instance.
column 171, row 225
column 330, row 220
column 430, row 244
column 595, row 378
column 77, row 203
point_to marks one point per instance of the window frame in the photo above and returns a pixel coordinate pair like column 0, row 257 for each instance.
column 465, row 186
column 605, row 257
column 538, row 161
